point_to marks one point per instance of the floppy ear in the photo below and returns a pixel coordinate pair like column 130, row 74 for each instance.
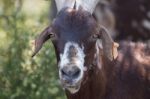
column 41, row 39
column 108, row 46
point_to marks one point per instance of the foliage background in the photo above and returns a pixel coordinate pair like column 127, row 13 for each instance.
column 22, row 77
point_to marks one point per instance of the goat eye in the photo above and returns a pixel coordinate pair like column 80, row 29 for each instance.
column 53, row 36
column 95, row 36
column 92, row 38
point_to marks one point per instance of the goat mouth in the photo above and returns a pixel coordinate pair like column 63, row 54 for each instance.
column 74, row 87
column 71, row 87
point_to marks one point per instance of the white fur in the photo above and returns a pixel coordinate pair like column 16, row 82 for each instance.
column 79, row 61
column 73, row 90
column 99, row 47
column 80, row 55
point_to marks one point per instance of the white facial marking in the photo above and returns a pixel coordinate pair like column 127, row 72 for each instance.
column 79, row 62
column 73, row 90
column 99, row 48
column 80, row 55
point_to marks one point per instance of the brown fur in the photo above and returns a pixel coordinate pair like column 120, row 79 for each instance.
column 128, row 77
column 125, row 78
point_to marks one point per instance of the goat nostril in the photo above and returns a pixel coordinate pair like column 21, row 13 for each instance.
column 76, row 73
column 64, row 72
column 71, row 73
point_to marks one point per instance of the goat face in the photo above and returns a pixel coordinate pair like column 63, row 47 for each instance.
column 73, row 30
column 74, row 34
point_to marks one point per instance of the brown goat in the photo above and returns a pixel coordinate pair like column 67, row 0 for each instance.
column 85, row 56
column 128, row 77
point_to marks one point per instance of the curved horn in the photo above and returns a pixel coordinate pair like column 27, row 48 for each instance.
column 41, row 39
column 88, row 5
column 64, row 3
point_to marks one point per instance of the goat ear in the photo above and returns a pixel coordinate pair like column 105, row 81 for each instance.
column 41, row 39
column 108, row 45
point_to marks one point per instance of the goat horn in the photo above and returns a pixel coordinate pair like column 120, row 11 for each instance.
column 88, row 5
column 64, row 3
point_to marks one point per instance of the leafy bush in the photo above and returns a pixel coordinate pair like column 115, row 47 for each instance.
column 22, row 77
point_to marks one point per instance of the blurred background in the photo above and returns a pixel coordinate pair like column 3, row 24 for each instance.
column 22, row 77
